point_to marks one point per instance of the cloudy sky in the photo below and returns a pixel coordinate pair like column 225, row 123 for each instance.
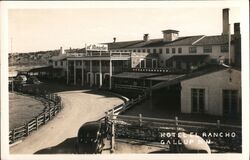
column 46, row 29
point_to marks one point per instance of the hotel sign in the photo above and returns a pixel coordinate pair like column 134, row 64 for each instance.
column 97, row 47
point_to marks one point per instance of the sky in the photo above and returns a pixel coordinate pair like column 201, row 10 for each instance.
column 48, row 29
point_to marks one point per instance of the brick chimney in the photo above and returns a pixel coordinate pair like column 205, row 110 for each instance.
column 114, row 39
column 225, row 21
column 61, row 51
column 170, row 35
column 237, row 29
column 145, row 37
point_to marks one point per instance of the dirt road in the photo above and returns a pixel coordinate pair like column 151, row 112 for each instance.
column 58, row 135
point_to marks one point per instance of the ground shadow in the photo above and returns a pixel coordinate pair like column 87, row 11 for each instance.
column 68, row 146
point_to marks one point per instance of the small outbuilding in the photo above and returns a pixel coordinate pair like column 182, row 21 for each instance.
column 215, row 93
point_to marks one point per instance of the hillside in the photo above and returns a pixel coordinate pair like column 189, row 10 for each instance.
column 36, row 58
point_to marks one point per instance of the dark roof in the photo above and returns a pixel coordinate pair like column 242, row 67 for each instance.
column 45, row 69
column 187, row 58
column 169, row 77
column 211, row 40
column 170, row 31
column 198, row 72
column 119, row 45
column 187, row 40
column 135, row 75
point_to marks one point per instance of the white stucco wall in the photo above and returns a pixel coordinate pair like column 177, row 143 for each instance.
column 213, row 83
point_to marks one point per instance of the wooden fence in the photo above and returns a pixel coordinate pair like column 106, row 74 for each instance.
column 151, row 129
column 52, row 107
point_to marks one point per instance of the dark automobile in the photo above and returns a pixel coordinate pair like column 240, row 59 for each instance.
column 33, row 80
column 89, row 138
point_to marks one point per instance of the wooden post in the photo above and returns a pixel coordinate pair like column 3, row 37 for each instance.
column 218, row 124
column 49, row 114
column 36, row 123
column 140, row 119
column 112, row 132
column 13, row 135
column 27, row 129
column 113, row 138
column 176, row 123
column 44, row 118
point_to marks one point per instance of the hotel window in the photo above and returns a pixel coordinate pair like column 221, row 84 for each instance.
column 55, row 63
column 148, row 50
column 154, row 50
column 224, row 48
column 160, row 51
column 125, row 50
column 207, row 49
column 230, row 101
column 198, row 100
column 134, row 50
column 167, row 50
column 61, row 63
column 192, row 49
column 179, row 50
column 143, row 50
column 138, row 50
column 173, row 50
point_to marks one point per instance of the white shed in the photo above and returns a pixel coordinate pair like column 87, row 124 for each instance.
column 214, row 93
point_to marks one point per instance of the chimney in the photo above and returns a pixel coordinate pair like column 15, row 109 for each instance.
column 114, row 39
column 61, row 51
column 225, row 21
column 236, row 29
column 145, row 37
column 170, row 35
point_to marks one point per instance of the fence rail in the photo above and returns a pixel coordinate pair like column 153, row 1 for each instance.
column 53, row 105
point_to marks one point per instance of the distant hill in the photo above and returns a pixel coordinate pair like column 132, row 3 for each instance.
column 37, row 58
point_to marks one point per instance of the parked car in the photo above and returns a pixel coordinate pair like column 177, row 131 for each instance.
column 191, row 143
column 33, row 80
column 90, row 138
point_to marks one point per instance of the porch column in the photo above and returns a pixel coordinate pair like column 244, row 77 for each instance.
column 74, row 72
column 110, row 74
column 91, row 74
column 67, row 70
column 100, row 73
column 82, row 74
column 150, row 95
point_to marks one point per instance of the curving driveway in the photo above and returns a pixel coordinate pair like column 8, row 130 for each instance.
column 79, row 107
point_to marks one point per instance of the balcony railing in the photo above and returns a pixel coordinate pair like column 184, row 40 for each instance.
column 158, row 70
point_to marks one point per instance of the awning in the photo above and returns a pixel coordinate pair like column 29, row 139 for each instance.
column 187, row 58
column 135, row 75
column 166, row 77
column 42, row 69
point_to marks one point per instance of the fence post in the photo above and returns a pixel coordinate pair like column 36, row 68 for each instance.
column 44, row 117
column 140, row 119
column 50, row 114
column 218, row 124
column 113, row 137
column 36, row 123
column 27, row 129
column 13, row 135
column 176, row 123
